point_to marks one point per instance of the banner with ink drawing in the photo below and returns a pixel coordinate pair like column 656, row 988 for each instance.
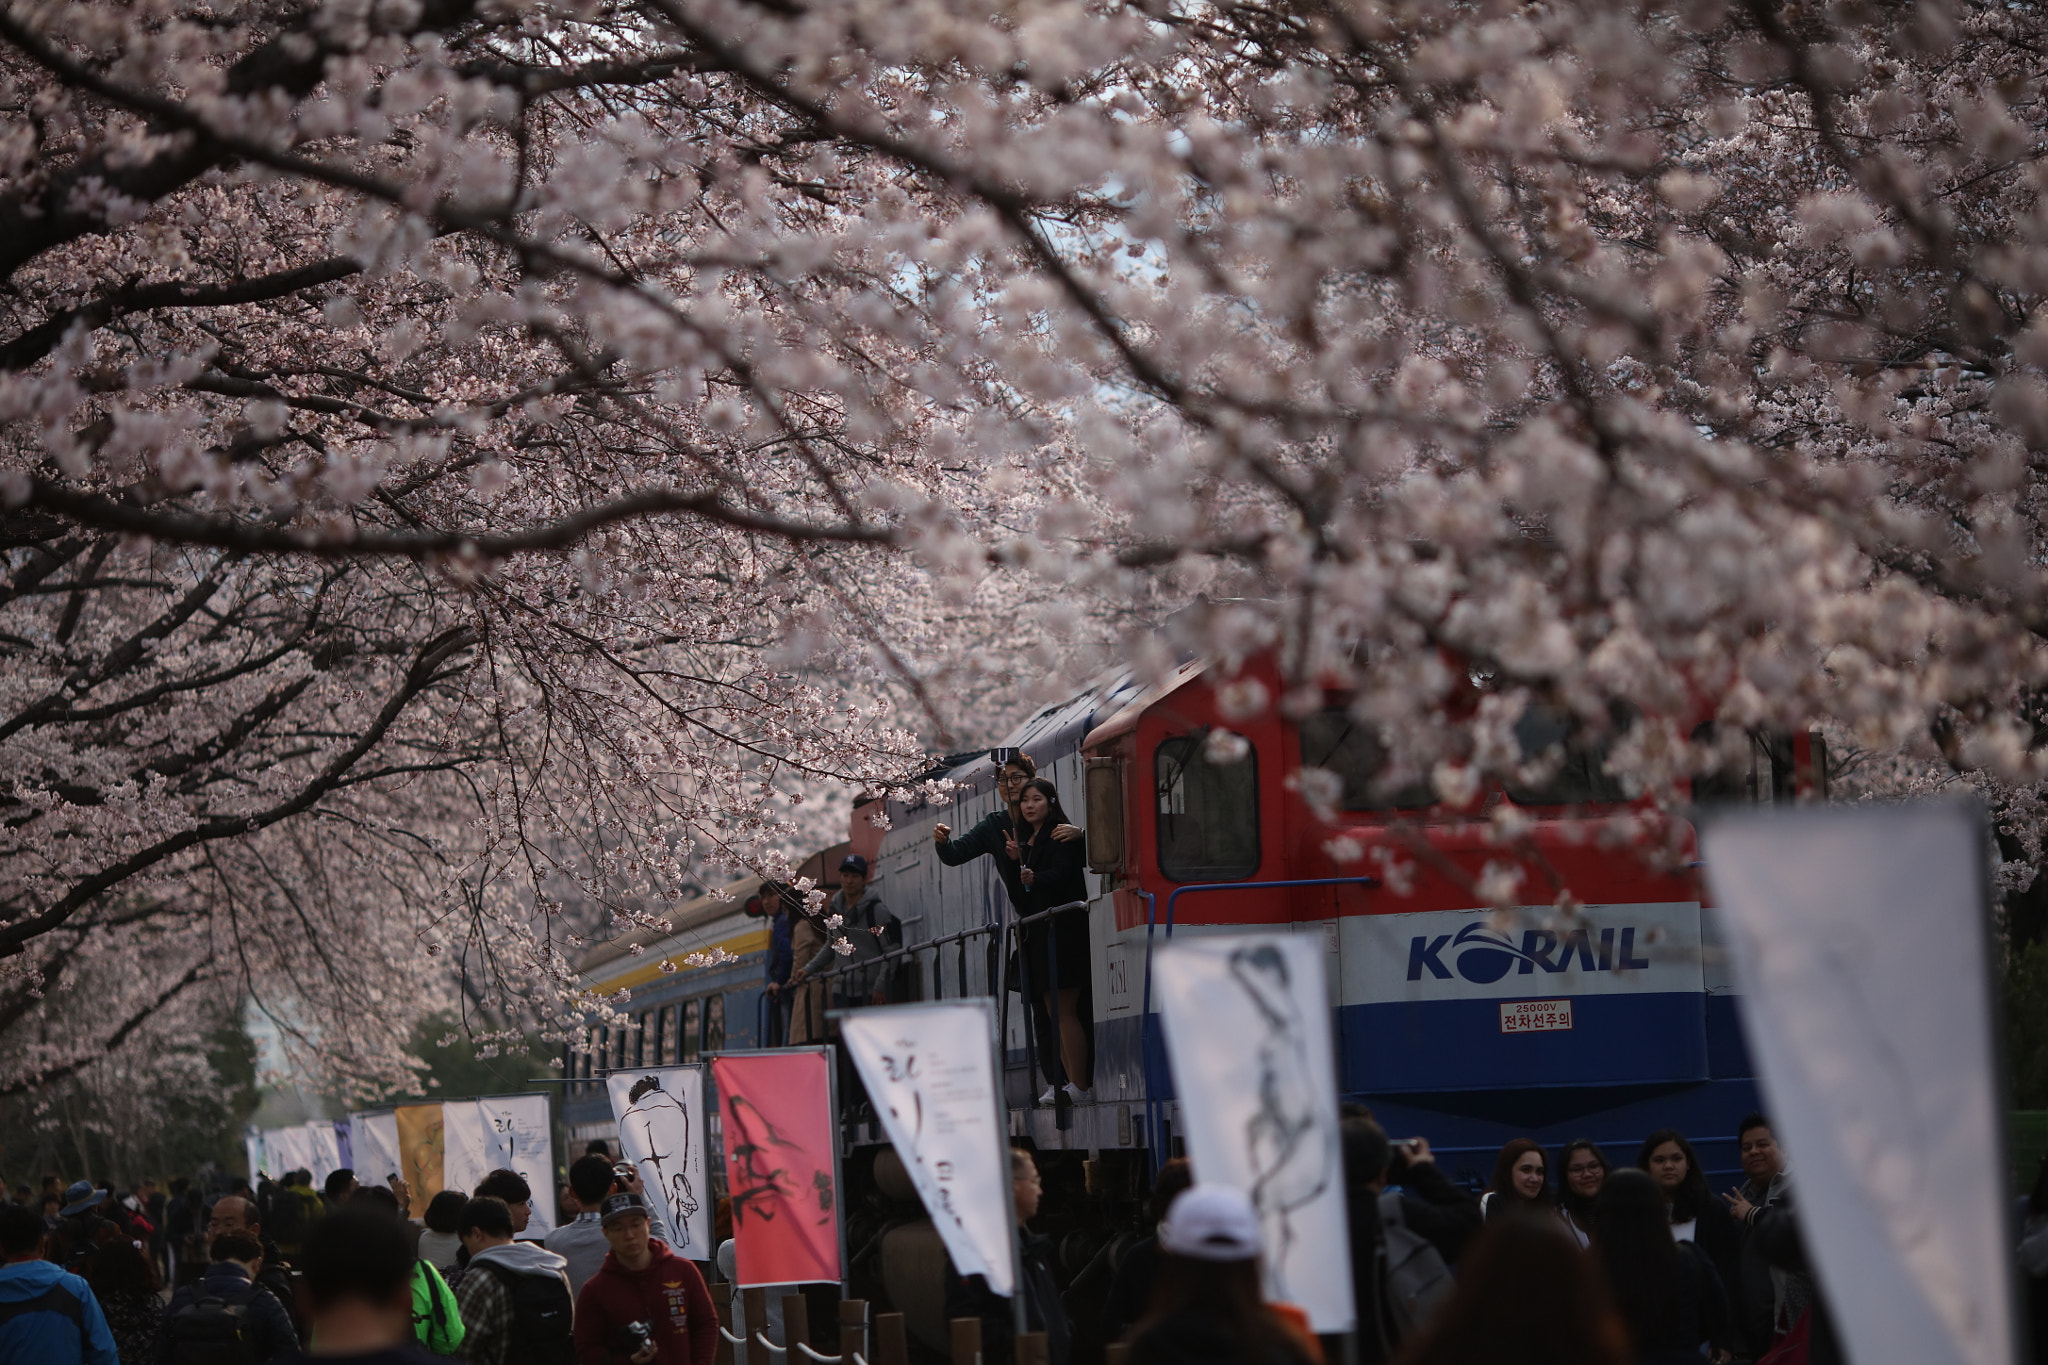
column 660, row 1113
column 930, row 1070
column 502, row 1132
column 1247, row 1023
column 781, row 1164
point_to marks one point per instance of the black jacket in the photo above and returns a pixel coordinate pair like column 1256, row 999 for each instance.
column 1056, row 868
column 1444, row 1213
column 272, row 1327
column 988, row 838
column 1699, row 1313
column 1130, row 1290
column 1774, row 1230
column 970, row 1297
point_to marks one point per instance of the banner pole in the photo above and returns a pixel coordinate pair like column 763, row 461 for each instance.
column 838, row 1165
column 1009, row 1171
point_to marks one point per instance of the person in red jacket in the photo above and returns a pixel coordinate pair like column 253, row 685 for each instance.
column 645, row 1303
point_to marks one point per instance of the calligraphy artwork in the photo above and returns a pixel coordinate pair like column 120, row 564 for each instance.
column 930, row 1070
column 422, row 1139
column 1247, row 1024
column 781, row 1164
column 503, row 1132
column 660, row 1113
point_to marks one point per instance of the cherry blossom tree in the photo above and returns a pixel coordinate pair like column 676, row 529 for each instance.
column 462, row 460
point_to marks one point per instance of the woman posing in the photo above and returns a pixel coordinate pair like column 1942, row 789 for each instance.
column 1695, row 1215
column 1521, row 1181
column 1050, row 871
column 1582, row 1170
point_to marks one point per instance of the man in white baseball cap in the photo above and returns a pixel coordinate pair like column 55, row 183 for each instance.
column 1212, row 1223
column 1206, row 1301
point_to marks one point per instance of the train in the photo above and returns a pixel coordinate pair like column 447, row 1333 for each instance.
column 1452, row 1021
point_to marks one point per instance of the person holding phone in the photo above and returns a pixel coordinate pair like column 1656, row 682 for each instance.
column 582, row 1242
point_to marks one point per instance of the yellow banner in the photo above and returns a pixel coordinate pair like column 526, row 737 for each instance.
column 421, row 1143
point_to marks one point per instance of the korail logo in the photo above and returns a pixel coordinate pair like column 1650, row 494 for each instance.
column 1483, row 956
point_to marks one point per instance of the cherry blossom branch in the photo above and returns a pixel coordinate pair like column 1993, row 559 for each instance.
column 246, row 537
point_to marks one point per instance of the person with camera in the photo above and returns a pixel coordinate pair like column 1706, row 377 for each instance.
column 870, row 931
column 645, row 1303
column 581, row 1242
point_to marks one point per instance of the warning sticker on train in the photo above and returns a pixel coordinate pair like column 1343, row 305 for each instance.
column 1535, row 1016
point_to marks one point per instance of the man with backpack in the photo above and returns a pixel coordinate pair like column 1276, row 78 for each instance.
column 227, row 1318
column 514, row 1296
column 48, row 1316
column 1403, row 1241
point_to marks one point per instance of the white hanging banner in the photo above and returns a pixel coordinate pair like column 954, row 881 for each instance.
column 502, row 1133
column 930, row 1070
column 324, row 1148
column 660, row 1113
column 373, row 1146
column 287, row 1149
column 1247, row 1023
column 1858, row 938
column 252, row 1146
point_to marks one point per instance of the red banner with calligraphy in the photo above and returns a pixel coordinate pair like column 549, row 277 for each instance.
column 781, row 1165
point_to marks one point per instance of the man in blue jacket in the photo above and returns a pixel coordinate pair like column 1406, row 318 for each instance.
column 48, row 1316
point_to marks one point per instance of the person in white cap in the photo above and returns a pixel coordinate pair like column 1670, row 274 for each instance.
column 1206, row 1308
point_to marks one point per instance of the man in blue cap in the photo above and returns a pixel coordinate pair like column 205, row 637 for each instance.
column 867, row 929
column 48, row 1316
column 79, row 1229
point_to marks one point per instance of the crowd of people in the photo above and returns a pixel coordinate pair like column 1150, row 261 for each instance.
column 1564, row 1259
column 1578, row 1262
column 225, row 1273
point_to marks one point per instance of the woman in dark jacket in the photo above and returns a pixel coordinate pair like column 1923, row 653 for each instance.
column 1667, row 1291
column 1050, row 871
column 1695, row 1215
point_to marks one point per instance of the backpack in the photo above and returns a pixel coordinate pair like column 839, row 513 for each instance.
column 55, row 1299
column 541, row 1313
column 213, row 1330
column 1414, row 1276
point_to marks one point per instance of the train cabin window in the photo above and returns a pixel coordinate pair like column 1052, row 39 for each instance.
column 1566, row 773
column 1332, row 740
column 693, row 1017
column 1208, row 813
column 658, row 1037
column 714, row 1023
column 640, row 1040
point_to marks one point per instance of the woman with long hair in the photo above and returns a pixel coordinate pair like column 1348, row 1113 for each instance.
column 1526, row 1295
column 1206, row 1307
column 1694, row 1214
column 1521, row 1179
column 1581, row 1170
column 1667, row 1291
column 1050, row 871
